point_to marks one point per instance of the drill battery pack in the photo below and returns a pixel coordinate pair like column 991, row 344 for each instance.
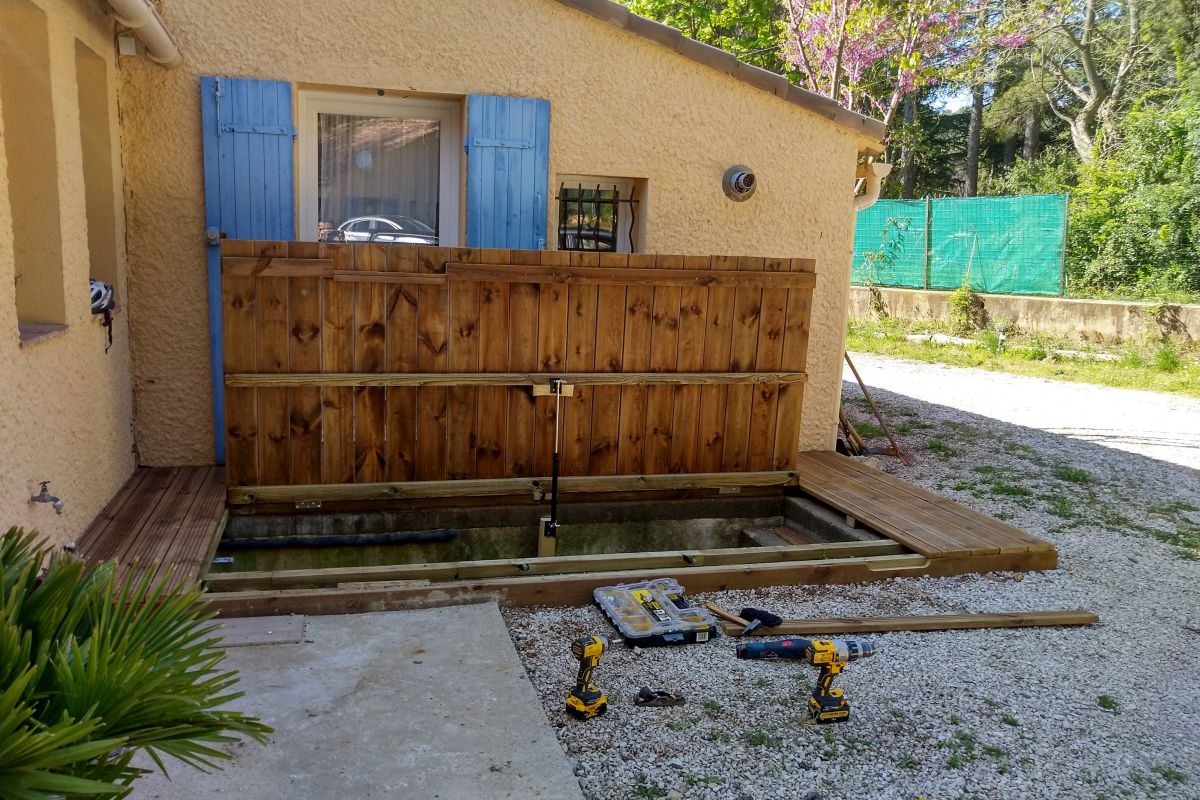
column 653, row 613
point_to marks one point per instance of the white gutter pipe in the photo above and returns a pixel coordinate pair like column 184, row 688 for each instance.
column 141, row 18
column 873, row 173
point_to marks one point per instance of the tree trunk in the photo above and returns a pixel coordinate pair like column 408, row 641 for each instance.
column 1010, row 150
column 971, row 184
column 1033, row 134
column 908, row 159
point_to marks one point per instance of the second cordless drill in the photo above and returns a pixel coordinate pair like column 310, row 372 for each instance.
column 831, row 655
column 586, row 700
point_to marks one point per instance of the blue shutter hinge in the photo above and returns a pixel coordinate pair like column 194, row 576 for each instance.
column 217, row 102
column 514, row 144
column 212, row 237
column 269, row 130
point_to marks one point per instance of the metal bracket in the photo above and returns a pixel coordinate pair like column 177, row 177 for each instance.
column 556, row 386
column 304, row 505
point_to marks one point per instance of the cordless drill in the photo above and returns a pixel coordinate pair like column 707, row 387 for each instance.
column 831, row 655
column 586, row 700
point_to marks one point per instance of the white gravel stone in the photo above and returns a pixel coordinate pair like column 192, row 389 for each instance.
column 978, row 714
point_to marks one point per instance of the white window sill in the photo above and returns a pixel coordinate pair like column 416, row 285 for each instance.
column 35, row 332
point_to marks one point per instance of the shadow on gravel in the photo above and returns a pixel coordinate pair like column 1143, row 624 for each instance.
column 1006, row 470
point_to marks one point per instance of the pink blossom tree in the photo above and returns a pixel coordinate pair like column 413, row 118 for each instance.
column 870, row 54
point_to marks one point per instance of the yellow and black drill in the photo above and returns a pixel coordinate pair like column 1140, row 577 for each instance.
column 831, row 655
column 586, row 700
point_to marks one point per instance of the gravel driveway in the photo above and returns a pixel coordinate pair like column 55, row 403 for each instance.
column 1113, row 710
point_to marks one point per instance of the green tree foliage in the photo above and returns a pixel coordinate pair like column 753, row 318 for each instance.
column 750, row 29
column 93, row 670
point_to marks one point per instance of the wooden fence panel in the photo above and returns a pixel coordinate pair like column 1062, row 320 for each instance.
column 333, row 352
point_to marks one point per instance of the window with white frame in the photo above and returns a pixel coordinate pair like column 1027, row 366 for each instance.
column 378, row 169
column 597, row 213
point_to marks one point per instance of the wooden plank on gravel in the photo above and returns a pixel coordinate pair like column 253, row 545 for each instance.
column 934, row 622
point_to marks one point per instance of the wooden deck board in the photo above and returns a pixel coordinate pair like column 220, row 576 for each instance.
column 932, row 525
column 161, row 517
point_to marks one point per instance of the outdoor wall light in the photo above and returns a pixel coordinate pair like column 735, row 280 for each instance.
column 739, row 183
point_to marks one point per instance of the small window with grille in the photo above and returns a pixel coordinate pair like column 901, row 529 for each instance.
column 597, row 214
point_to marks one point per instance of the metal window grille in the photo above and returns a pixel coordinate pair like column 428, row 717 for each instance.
column 596, row 217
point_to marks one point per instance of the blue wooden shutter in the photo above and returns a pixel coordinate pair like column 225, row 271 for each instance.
column 508, row 171
column 248, row 188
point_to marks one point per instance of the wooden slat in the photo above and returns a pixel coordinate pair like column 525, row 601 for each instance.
column 551, row 358
column 714, row 400
column 664, row 356
column 764, row 400
column 271, row 355
column 243, row 495
column 400, row 308
column 337, row 355
column 432, row 341
column 932, row 622
column 239, row 266
column 523, row 326
column 606, row 400
column 462, row 570
column 492, row 413
column 795, row 357
column 370, row 402
column 599, row 276
column 635, row 357
column 304, row 356
column 462, row 354
column 693, row 312
column 747, row 312
column 581, row 355
column 238, row 335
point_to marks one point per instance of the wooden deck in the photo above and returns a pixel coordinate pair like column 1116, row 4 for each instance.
column 930, row 535
column 926, row 523
column 161, row 517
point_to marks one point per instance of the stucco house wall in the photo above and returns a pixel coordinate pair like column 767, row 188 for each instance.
column 66, row 406
column 620, row 105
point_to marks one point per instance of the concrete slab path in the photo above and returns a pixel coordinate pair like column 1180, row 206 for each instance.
column 405, row 704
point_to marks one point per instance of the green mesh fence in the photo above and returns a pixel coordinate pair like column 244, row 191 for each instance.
column 1002, row 245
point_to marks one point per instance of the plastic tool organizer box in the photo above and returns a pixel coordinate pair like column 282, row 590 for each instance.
column 655, row 612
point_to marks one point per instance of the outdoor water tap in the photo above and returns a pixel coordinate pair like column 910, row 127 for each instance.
column 44, row 496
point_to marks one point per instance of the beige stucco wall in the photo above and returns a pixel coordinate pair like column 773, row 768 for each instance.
column 65, row 406
column 620, row 106
column 1085, row 320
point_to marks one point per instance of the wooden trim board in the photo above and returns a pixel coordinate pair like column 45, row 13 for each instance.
column 294, row 380
column 614, row 276
column 244, row 495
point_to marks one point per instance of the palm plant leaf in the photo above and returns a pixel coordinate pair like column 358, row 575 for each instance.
column 98, row 668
